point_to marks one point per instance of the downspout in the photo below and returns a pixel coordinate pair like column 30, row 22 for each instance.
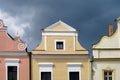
column 30, row 69
column 91, row 66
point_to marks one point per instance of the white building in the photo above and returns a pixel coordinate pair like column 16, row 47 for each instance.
column 106, row 53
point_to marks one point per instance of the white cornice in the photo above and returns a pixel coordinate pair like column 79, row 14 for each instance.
column 11, row 60
column 59, row 33
column 71, row 64
column 60, row 56
column 13, row 53
column 45, row 64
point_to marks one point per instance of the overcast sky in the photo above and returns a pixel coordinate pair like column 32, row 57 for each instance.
column 91, row 17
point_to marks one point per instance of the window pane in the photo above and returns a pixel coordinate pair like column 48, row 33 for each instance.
column 45, row 75
column 105, row 73
column 105, row 78
column 59, row 45
column 12, row 72
column 110, row 78
column 110, row 73
column 74, row 75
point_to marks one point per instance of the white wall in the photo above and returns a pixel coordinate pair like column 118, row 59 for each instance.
column 98, row 66
column 106, row 53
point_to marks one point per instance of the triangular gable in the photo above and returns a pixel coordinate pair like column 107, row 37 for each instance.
column 59, row 26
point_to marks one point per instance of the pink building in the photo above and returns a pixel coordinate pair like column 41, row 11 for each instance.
column 14, row 59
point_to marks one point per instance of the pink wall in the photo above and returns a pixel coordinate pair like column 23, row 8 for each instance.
column 9, row 44
column 23, row 67
column 2, row 69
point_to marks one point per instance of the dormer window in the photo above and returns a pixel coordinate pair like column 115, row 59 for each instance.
column 59, row 44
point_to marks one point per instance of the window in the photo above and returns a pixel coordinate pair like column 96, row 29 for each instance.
column 12, row 72
column 45, row 75
column 45, row 70
column 107, row 75
column 12, row 69
column 60, row 45
column 74, row 71
column 73, row 75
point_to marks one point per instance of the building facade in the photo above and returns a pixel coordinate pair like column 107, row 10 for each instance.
column 14, row 60
column 106, row 53
column 59, row 55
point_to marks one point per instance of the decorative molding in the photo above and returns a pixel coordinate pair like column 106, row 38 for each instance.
column 106, row 48
column 59, row 33
column 71, row 64
column 3, row 29
column 74, row 43
column 45, row 64
column 13, row 53
column 45, row 43
column 60, row 56
column 11, row 60
column 106, row 59
column 22, row 46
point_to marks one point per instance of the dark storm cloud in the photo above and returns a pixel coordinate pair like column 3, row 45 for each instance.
column 91, row 17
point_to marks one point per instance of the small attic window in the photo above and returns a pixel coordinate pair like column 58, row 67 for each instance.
column 60, row 45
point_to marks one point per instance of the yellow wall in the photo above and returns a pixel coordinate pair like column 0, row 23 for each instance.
column 68, row 43
column 71, row 45
column 60, row 68
column 59, row 28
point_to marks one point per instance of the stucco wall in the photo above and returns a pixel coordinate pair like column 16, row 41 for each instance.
column 23, row 67
column 106, row 53
column 98, row 67
column 60, row 68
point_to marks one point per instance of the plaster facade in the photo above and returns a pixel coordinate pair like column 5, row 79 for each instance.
column 13, row 54
column 106, row 56
column 72, row 56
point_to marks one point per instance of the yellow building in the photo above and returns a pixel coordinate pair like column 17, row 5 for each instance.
column 60, row 56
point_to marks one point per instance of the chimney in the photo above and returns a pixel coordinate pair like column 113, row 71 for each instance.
column 110, row 29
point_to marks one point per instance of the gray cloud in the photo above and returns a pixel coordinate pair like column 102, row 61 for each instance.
column 91, row 17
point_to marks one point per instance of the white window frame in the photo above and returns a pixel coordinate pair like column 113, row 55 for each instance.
column 12, row 62
column 59, row 41
column 74, row 67
column 45, row 67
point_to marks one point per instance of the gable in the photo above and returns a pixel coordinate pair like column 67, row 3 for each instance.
column 59, row 26
column 111, row 41
column 61, row 33
column 9, row 44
